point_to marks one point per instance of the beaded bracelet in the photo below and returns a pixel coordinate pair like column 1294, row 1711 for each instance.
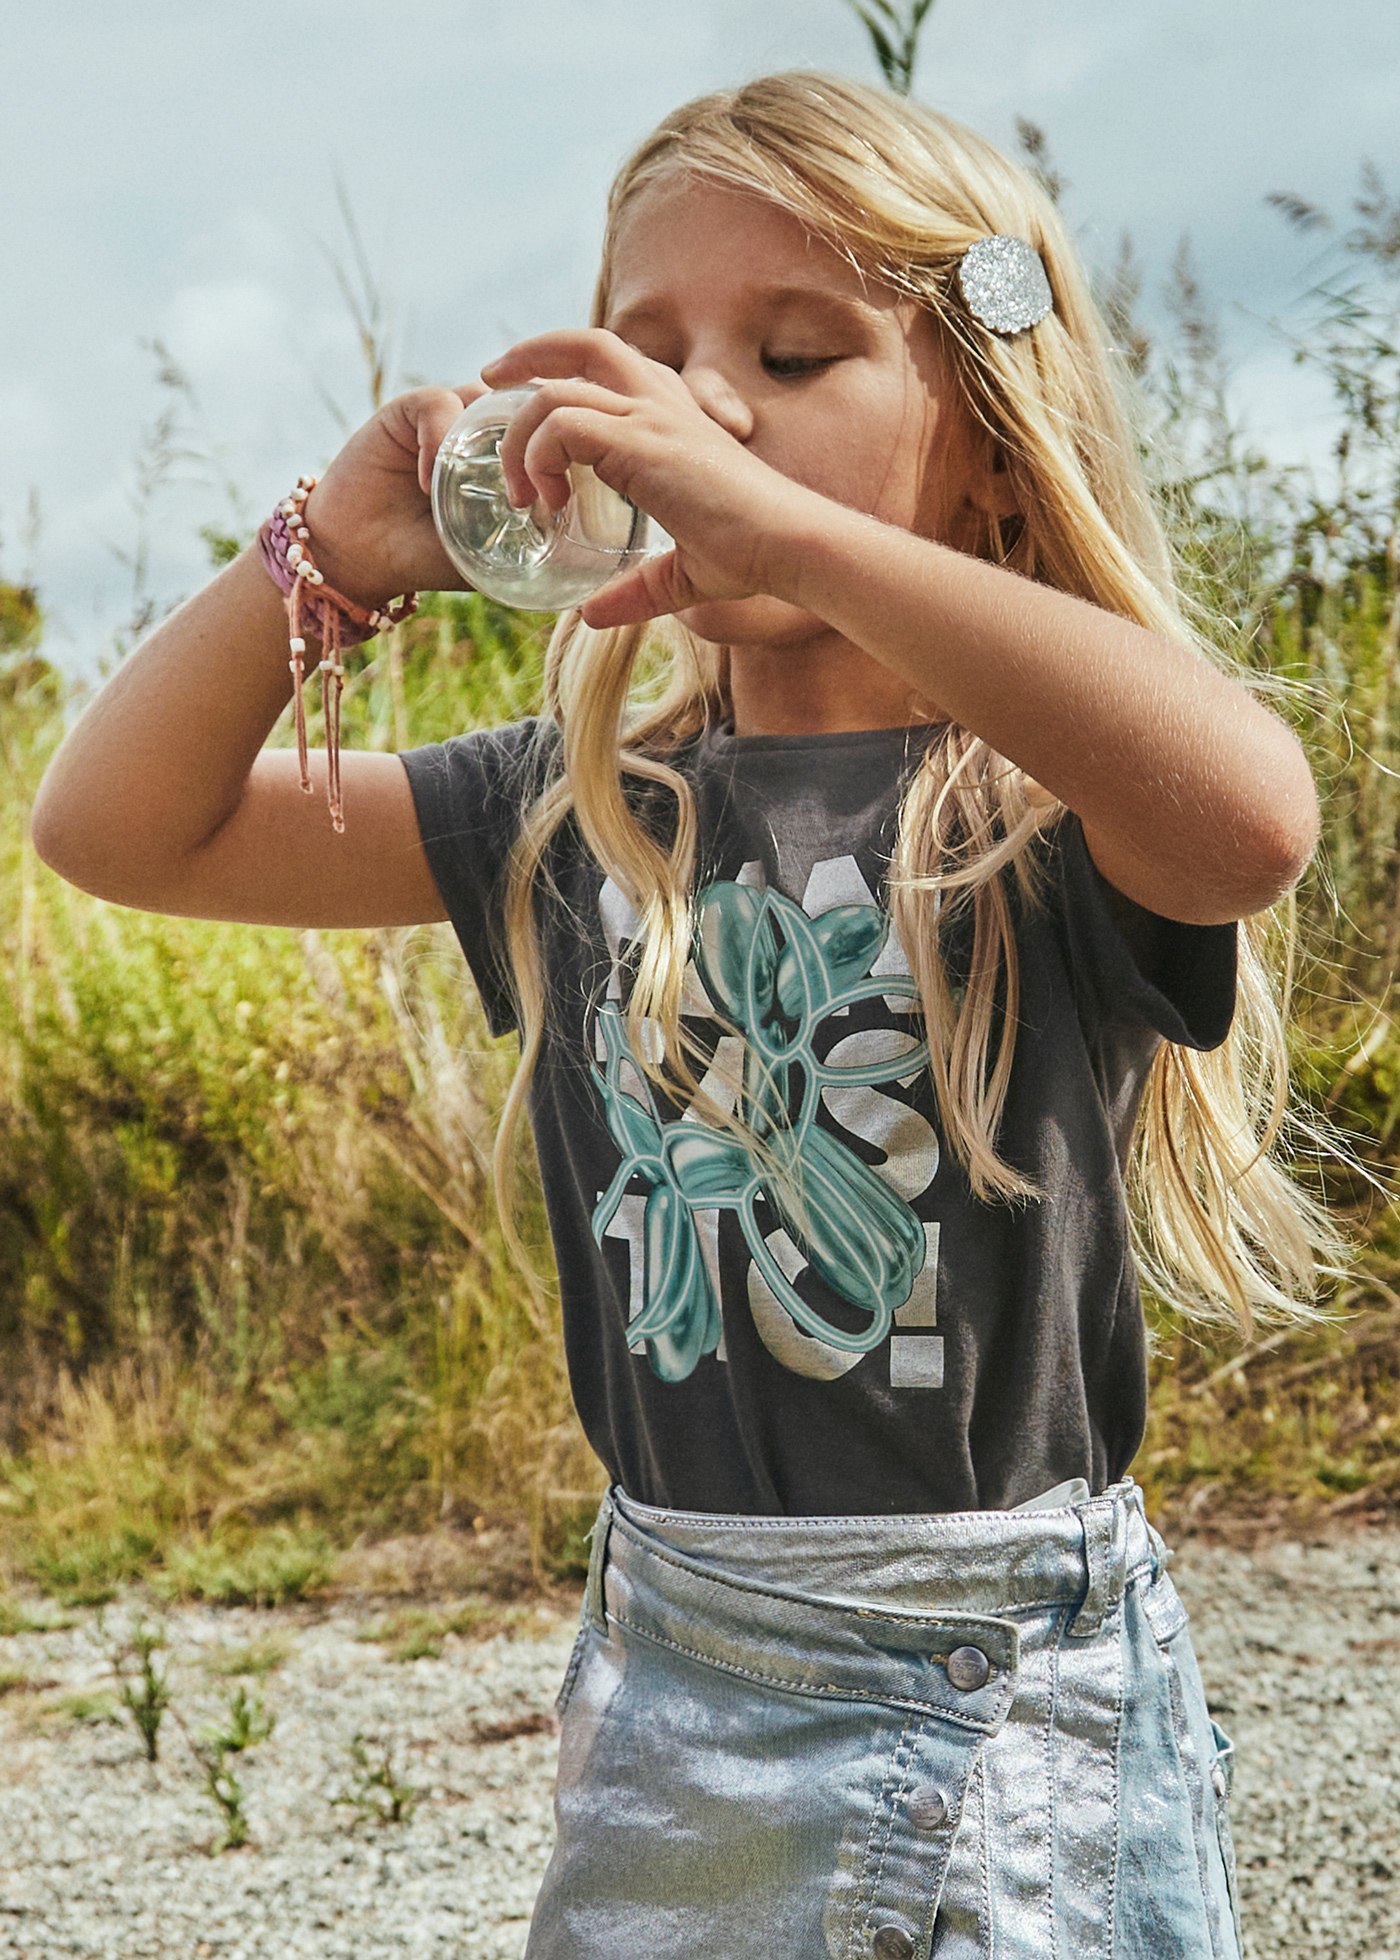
column 284, row 542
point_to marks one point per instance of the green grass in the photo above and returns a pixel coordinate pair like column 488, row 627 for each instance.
column 256, row 1313
column 257, row 1657
column 267, row 1569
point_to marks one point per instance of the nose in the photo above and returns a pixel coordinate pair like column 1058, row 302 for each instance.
column 720, row 400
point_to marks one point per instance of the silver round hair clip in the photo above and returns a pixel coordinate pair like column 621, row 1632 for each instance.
column 1003, row 281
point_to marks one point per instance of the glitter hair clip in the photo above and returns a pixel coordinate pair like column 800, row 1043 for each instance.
column 1003, row 281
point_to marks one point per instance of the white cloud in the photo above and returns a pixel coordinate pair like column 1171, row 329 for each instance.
column 186, row 180
column 225, row 322
column 29, row 419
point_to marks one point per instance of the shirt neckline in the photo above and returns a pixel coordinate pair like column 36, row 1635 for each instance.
column 719, row 738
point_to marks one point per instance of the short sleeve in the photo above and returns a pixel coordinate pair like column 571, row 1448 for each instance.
column 470, row 793
column 1139, row 968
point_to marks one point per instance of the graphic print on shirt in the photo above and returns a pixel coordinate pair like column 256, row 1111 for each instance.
column 780, row 972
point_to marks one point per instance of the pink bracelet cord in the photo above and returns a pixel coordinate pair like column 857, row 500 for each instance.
column 284, row 542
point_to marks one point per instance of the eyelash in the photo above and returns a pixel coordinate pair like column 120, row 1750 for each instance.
column 811, row 363
column 791, row 367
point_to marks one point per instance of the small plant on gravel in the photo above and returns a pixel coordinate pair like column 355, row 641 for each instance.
column 410, row 1636
column 246, row 1724
column 81, row 1707
column 418, row 1633
column 375, row 1791
column 144, row 1689
column 14, row 1680
column 16, row 1619
column 223, row 1786
column 258, row 1657
column 483, row 1618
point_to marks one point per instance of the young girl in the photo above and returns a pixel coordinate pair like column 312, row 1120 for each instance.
column 863, row 966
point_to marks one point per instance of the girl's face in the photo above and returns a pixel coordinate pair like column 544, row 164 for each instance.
column 831, row 378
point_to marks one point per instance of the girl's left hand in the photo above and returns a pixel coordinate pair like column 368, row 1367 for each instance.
column 636, row 423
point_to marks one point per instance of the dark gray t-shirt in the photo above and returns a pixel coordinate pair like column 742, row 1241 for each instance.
column 907, row 1348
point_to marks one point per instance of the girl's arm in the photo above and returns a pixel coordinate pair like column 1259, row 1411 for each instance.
column 160, row 796
column 1195, row 799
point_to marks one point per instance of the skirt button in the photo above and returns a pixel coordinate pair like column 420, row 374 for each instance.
column 968, row 1668
column 892, row 1943
column 927, row 1808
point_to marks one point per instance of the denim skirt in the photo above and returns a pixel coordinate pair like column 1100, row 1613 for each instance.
column 975, row 1733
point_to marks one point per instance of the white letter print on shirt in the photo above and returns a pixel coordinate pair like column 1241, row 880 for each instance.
column 781, row 972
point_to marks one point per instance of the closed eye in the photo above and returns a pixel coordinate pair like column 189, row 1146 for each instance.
column 787, row 367
column 791, row 366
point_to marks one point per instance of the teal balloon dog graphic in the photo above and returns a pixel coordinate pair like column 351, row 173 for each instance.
column 776, row 974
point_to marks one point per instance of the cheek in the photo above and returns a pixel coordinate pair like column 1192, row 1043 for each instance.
column 870, row 458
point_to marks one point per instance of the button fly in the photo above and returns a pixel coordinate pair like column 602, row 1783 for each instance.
column 927, row 1808
column 1217, row 1777
column 892, row 1943
column 968, row 1668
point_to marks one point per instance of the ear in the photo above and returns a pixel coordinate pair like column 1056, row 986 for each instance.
column 992, row 489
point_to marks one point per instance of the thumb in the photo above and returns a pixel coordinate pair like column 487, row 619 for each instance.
column 651, row 589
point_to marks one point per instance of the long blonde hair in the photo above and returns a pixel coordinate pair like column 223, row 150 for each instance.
column 1220, row 1230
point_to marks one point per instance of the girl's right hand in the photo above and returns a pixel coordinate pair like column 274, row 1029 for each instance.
column 370, row 515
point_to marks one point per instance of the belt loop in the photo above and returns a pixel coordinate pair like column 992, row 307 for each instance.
column 593, row 1602
column 1161, row 1552
column 1105, row 1555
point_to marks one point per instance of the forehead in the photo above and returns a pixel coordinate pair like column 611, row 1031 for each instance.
column 682, row 239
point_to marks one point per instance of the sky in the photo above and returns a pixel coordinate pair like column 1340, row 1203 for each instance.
column 170, row 179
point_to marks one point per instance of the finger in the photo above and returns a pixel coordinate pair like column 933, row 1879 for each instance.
column 432, row 414
column 529, row 471
column 650, row 590
column 592, row 353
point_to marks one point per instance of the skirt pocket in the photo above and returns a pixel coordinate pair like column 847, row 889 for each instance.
column 757, row 1774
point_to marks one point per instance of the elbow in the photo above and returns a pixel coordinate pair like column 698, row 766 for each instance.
column 61, row 857
column 1303, row 852
column 71, row 852
column 1294, row 830
column 50, row 828
column 46, row 836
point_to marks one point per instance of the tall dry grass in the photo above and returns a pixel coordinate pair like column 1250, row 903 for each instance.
column 255, row 1308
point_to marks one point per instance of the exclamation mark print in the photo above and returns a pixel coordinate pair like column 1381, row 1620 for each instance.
column 916, row 1360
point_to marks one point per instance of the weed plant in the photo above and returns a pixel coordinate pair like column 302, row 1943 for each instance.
column 245, row 1724
column 375, row 1792
column 143, row 1687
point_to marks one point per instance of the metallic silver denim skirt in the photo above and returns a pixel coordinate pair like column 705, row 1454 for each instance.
column 979, row 1733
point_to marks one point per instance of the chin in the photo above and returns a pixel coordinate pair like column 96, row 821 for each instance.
column 759, row 619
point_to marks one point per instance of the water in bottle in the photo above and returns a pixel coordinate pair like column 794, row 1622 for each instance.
column 534, row 558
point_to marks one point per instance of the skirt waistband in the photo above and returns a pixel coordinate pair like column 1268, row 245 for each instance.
column 990, row 1562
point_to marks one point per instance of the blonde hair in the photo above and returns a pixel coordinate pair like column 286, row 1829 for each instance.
column 901, row 191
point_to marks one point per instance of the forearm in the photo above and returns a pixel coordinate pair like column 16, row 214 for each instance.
column 160, row 755
column 1206, row 796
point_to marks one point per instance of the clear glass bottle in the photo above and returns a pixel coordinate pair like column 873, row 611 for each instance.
column 536, row 559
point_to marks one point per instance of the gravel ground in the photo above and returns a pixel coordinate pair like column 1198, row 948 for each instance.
column 106, row 1855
